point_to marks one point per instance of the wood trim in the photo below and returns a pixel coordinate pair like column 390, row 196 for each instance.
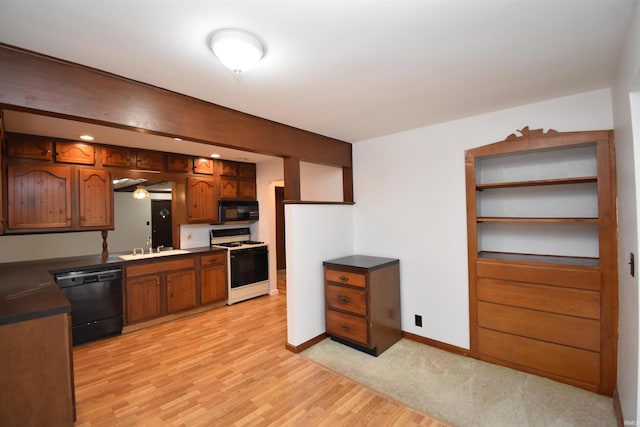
column 437, row 344
column 39, row 83
column 305, row 345
column 472, row 251
column 607, row 205
column 291, row 178
column 347, row 184
column 617, row 407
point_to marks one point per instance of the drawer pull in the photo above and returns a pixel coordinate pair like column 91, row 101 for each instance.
column 343, row 299
column 344, row 327
column 344, row 278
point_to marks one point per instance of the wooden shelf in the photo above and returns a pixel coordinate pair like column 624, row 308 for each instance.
column 545, row 220
column 536, row 183
column 547, row 259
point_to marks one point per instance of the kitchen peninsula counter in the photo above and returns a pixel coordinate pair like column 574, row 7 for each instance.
column 28, row 289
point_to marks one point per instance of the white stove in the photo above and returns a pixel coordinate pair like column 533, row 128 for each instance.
column 247, row 263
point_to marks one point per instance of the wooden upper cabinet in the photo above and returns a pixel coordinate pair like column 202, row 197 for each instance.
column 228, row 168
column 228, row 188
column 75, row 152
column 117, row 156
column 247, row 189
column 202, row 200
column 247, row 170
column 39, row 197
column 28, row 146
column 203, row 165
column 149, row 160
column 237, row 180
column 96, row 199
column 177, row 163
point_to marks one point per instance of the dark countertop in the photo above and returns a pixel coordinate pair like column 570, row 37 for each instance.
column 367, row 262
column 28, row 289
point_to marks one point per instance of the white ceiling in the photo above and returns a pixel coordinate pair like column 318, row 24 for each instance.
column 347, row 69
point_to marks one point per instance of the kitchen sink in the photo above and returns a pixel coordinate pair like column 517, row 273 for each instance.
column 131, row 257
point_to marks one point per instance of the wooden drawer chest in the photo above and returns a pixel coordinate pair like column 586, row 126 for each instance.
column 362, row 299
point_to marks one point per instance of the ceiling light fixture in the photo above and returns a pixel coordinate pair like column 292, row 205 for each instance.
column 236, row 49
column 215, row 155
column 86, row 137
column 140, row 193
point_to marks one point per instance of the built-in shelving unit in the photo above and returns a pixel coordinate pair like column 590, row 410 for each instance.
column 543, row 255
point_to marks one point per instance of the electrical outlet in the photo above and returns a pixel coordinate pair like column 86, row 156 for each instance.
column 418, row 320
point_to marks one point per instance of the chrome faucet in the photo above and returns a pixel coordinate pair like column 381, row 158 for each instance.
column 159, row 248
column 149, row 244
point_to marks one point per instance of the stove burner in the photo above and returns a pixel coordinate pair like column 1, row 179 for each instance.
column 229, row 245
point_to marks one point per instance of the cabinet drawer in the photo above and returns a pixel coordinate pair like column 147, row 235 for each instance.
column 346, row 278
column 219, row 258
column 347, row 299
column 159, row 267
column 347, row 326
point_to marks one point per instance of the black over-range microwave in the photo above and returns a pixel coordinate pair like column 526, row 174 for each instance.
column 238, row 210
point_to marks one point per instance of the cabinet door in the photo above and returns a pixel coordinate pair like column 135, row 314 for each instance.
column 116, row 156
column 177, row 163
column 247, row 170
column 213, row 284
column 202, row 200
column 228, row 168
column 247, row 189
column 75, row 152
column 181, row 290
column 38, row 196
column 149, row 160
column 203, row 166
column 96, row 198
column 228, row 188
column 28, row 146
column 144, row 298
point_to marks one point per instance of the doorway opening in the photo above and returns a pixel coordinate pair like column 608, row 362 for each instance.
column 281, row 259
column 161, row 229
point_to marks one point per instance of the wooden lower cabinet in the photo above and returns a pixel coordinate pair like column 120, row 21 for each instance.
column 213, row 278
column 159, row 287
column 36, row 368
column 163, row 285
column 144, row 298
column 181, row 290
column 362, row 298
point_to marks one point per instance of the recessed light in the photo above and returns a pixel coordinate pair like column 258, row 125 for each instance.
column 215, row 155
column 177, row 139
column 86, row 137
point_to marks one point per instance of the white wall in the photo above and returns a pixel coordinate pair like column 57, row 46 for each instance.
column 320, row 183
column 53, row 245
column 132, row 221
column 409, row 190
column 626, row 109
column 314, row 233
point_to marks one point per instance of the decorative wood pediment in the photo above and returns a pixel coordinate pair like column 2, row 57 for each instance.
column 526, row 133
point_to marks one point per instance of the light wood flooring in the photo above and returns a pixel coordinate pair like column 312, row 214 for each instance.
column 224, row 367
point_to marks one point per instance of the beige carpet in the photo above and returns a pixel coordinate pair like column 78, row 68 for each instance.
column 466, row 391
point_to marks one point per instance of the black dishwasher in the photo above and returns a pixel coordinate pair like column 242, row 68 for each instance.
column 96, row 302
